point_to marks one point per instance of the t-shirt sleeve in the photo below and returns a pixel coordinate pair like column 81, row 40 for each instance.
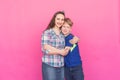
column 68, row 41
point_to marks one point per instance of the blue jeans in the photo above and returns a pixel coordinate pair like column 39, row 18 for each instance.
column 52, row 73
column 74, row 73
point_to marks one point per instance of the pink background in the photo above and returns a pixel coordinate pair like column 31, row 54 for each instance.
column 97, row 22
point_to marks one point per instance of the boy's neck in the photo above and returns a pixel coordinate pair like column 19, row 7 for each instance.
column 66, row 34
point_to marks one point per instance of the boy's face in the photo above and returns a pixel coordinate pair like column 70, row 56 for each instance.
column 66, row 29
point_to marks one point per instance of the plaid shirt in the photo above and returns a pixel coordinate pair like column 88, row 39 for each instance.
column 58, row 41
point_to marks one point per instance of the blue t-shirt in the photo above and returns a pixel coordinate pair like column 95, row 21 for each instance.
column 73, row 57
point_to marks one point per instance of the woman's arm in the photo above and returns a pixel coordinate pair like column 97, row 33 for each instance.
column 48, row 49
column 74, row 40
column 53, row 50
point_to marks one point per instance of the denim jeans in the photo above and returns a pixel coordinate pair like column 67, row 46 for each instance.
column 52, row 73
column 74, row 73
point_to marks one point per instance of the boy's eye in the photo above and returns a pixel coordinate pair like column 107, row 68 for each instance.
column 68, row 27
column 62, row 19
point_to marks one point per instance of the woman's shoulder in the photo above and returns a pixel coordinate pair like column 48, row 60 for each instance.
column 48, row 31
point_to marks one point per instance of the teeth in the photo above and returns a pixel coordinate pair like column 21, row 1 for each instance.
column 59, row 23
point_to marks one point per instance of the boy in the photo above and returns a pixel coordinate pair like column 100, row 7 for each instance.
column 73, row 63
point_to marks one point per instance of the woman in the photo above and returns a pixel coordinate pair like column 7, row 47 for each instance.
column 53, row 44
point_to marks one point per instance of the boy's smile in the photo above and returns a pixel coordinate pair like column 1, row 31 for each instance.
column 66, row 29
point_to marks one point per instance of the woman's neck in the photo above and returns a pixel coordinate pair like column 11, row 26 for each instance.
column 57, row 30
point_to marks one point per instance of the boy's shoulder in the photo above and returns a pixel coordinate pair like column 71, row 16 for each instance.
column 71, row 35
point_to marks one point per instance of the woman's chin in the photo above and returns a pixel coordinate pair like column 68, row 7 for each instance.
column 59, row 26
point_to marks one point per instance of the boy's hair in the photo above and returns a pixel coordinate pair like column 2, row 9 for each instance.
column 68, row 21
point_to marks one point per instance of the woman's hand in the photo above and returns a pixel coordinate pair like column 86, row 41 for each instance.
column 63, row 52
column 74, row 40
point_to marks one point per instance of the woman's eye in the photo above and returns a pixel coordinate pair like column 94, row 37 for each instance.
column 58, row 19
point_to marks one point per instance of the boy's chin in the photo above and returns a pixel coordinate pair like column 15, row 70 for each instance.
column 66, row 34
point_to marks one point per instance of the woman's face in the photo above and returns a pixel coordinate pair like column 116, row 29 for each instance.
column 59, row 20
